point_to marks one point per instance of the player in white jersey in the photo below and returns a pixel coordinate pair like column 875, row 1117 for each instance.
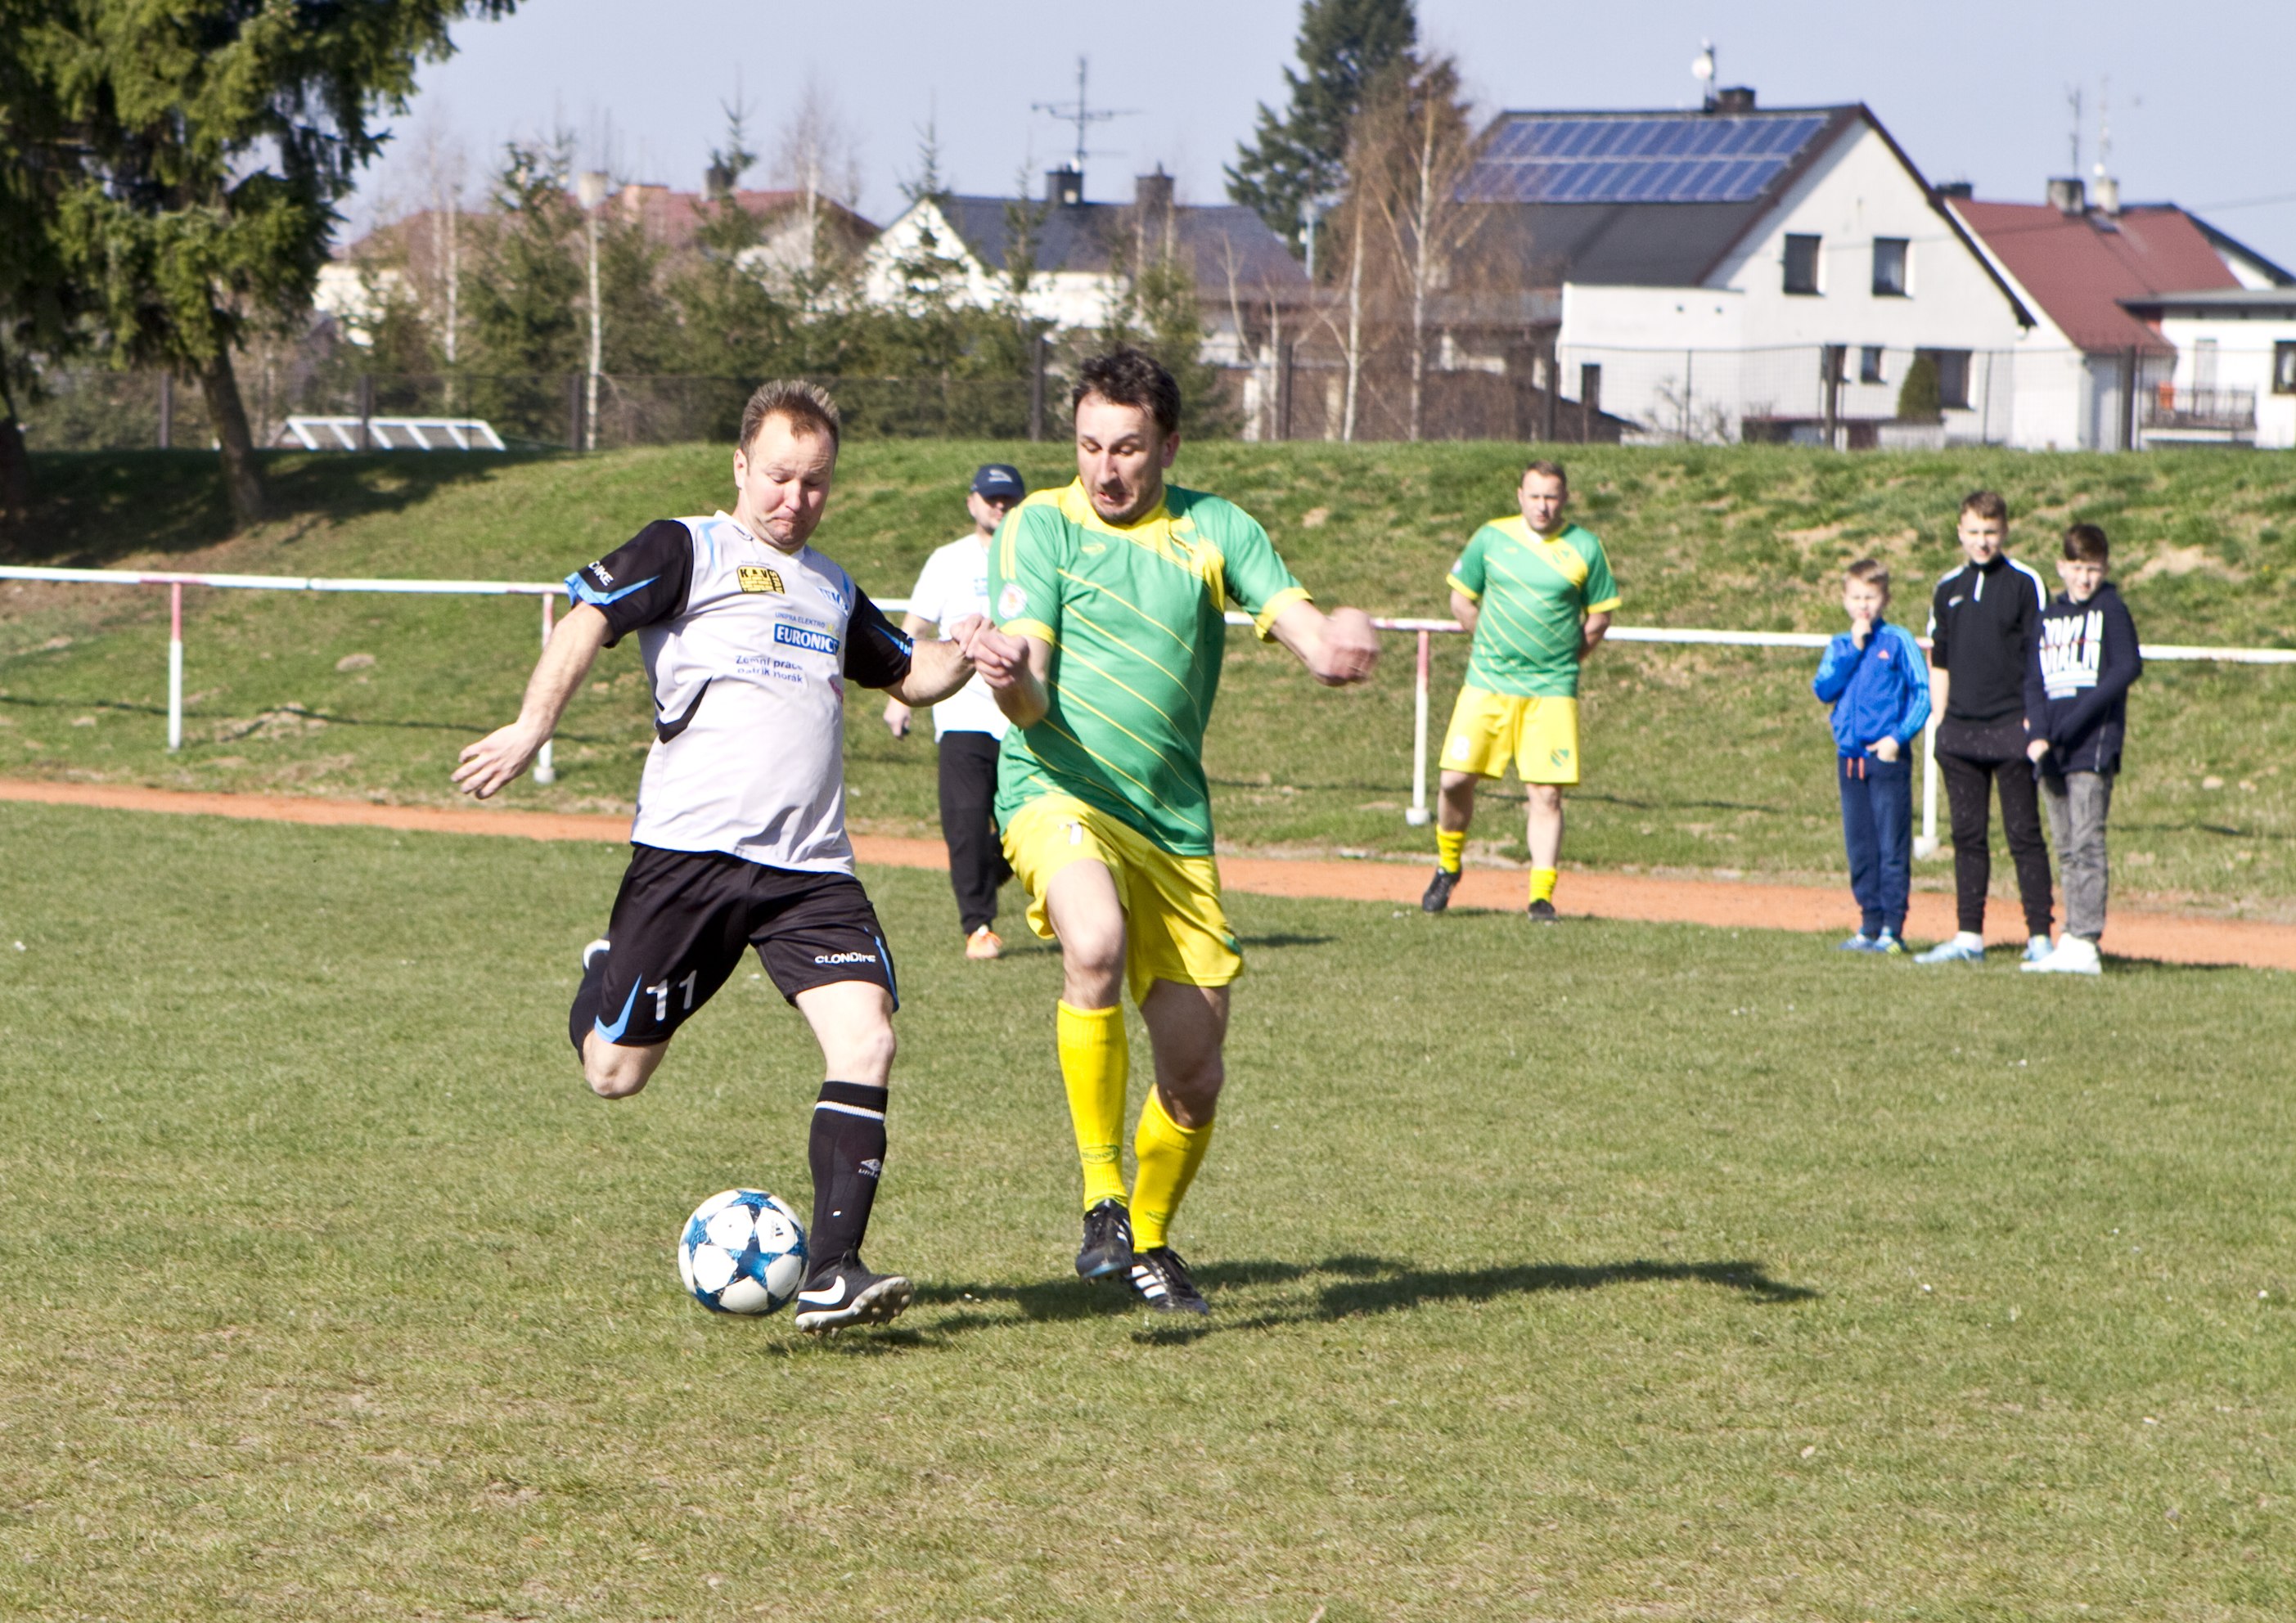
column 749, row 637
column 968, row 728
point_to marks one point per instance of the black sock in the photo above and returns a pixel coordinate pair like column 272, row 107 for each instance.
column 848, row 1152
column 589, row 998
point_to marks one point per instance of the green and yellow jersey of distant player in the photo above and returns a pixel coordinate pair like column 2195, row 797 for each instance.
column 1134, row 615
column 1531, row 594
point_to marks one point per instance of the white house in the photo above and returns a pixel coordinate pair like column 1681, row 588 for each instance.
column 1082, row 252
column 2091, row 377
column 2233, row 379
column 1747, row 273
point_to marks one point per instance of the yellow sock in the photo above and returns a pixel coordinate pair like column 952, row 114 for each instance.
column 1168, row 1155
column 1096, row 1063
column 1450, row 849
column 1542, row 884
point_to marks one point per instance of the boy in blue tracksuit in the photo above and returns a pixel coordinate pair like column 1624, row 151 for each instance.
column 1876, row 679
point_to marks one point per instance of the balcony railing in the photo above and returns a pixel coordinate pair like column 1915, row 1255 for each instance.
column 2202, row 410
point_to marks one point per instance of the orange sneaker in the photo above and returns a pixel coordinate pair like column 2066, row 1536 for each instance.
column 984, row 944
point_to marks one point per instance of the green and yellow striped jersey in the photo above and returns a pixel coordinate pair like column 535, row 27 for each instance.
column 1532, row 593
column 1133, row 615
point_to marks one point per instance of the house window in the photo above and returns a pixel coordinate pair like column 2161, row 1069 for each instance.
column 1801, row 265
column 1953, row 377
column 1889, row 267
column 2284, row 368
column 1869, row 364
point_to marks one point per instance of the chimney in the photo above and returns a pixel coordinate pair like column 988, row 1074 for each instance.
column 2067, row 195
column 1151, row 195
column 717, row 183
column 1961, row 189
column 1736, row 98
column 1064, row 186
column 2108, row 196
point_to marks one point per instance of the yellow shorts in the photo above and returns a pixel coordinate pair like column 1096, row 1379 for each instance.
column 1540, row 735
column 1174, row 928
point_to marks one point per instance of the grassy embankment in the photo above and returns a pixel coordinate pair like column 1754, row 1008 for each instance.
column 1698, row 1291
column 1697, row 759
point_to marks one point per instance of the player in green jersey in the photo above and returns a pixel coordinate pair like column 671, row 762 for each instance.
column 1537, row 592
column 1105, row 652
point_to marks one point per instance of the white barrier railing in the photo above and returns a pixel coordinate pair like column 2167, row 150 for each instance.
column 1417, row 815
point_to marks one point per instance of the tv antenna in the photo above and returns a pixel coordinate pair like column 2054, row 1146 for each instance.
column 1081, row 114
column 2073, row 101
column 1702, row 70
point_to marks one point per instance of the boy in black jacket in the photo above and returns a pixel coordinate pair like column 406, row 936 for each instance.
column 1982, row 621
column 2076, row 708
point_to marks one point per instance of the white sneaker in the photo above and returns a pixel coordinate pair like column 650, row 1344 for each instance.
column 2071, row 955
column 2038, row 947
column 1959, row 948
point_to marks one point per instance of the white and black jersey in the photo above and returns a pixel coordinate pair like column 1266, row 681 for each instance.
column 748, row 649
column 1982, row 623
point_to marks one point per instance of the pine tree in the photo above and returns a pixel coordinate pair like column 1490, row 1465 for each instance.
column 1344, row 45
column 206, row 144
column 523, row 293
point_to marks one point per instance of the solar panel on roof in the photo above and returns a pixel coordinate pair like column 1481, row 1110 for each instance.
column 1660, row 160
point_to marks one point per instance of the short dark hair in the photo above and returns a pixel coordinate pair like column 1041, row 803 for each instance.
column 1986, row 505
column 1550, row 470
column 806, row 407
column 2086, row 544
column 1872, row 571
column 1126, row 376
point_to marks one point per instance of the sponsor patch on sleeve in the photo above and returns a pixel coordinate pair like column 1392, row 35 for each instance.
column 1013, row 601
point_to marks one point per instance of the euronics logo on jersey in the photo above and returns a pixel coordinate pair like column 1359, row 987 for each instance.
column 812, row 641
column 756, row 577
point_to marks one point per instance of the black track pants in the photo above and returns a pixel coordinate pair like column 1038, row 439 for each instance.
column 1969, row 788
column 968, row 795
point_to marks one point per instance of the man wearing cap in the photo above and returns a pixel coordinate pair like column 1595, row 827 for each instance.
column 967, row 725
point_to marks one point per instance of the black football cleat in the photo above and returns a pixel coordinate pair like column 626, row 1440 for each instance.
column 1542, row 911
column 1159, row 1279
column 846, row 1294
column 1107, row 1248
column 1437, row 894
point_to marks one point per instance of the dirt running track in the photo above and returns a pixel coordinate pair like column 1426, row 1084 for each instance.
column 2167, row 938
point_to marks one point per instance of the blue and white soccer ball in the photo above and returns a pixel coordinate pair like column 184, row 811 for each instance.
column 742, row 1252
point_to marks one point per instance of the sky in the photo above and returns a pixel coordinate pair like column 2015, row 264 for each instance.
column 1974, row 90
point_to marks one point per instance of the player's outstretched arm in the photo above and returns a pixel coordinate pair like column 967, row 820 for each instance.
column 566, row 659
column 1337, row 648
column 937, row 669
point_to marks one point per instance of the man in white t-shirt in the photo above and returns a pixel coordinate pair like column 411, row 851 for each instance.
column 749, row 637
column 967, row 725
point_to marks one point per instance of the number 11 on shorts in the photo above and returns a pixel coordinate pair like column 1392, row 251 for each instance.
column 660, row 992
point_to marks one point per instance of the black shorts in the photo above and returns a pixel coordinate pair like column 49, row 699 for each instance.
column 681, row 921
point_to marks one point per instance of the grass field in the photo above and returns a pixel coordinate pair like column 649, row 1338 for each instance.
column 1725, row 1278
column 1697, row 759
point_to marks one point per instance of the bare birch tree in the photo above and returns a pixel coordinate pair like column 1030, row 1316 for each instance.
column 818, row 156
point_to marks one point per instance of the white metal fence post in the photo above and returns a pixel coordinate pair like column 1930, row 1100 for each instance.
column 175, row 666
column 1926, row 845
column 1417, row 815
column 545, row 771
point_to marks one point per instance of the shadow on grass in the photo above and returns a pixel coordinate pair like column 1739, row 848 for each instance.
column 1284, row 939
column 90, row 509
column 1364, row 1285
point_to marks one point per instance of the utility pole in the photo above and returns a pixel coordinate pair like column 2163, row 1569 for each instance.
column 591, row 185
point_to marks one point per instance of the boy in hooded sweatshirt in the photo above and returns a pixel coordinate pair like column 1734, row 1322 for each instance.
column 2077, row 710
column 1876, row 679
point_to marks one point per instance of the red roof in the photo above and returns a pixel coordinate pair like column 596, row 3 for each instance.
column 2079, row 266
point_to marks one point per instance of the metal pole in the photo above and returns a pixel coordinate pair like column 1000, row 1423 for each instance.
column 546, row 772
column 597, row 344
column 176, row 666
column 1927, row 844
column 1037, row 388
column 1417, row 815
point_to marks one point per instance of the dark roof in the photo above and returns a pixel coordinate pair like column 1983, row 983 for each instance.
column 1078, row 237
column 2223, row 243
column 2080, row 267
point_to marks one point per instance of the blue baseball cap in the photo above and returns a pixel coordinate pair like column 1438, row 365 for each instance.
column 999, row 482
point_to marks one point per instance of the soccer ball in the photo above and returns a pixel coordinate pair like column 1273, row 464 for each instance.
column 741, row 1251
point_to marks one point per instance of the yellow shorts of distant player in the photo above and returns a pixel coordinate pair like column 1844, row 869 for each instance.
column 1540, row 735
column 1174, row 927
